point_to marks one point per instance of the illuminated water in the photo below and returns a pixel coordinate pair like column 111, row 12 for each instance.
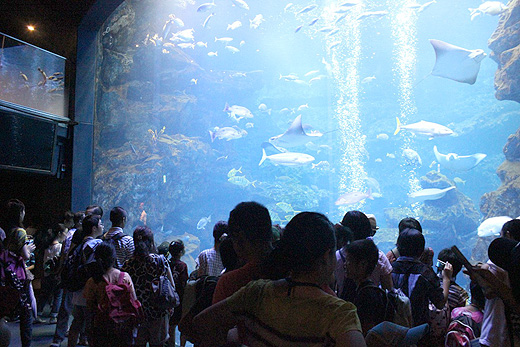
column 375, row 74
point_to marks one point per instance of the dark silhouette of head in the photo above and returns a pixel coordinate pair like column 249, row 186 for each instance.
column 411, row 223
column 143, row 241
column 15, row 212
column 358, row 223
column 511, row 229
column 252, row 221
column 118, row 216
column 410, row 243
column 364, row 253
column 220, row 228
column 94, row 209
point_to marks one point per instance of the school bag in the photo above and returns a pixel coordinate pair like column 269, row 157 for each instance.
column 459, row 333
column 164, row 296
column 398, row 309
column 204, row 288
column 122, row 313
column 12, row 282
column 77, row 269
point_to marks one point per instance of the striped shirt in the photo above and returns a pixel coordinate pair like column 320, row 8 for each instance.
column 124, row 246
column 209, row 263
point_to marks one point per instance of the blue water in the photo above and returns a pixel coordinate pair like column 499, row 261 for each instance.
column 394, row 49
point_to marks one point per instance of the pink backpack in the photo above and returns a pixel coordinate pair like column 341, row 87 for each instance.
column 123, row 313
column 459, row 335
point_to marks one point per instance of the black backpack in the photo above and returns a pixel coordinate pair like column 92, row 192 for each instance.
column 76, row 271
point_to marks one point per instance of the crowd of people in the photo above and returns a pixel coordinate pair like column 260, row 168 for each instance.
column 311, row 283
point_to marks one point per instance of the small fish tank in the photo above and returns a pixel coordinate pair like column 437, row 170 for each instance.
column 32, row 79
column 386, row 107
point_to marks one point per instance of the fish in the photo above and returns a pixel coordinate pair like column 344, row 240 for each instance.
column 298, row 28
column 334, row 44
column 374, row 186
column 368, row 79
column 492, row 226
column 183, row 36
column 240, row 111
column 193, row 81
column 202, row 44
column 262, row 107
column 178, row 21
column 203, row 222
column 459, row 181
column 24, row 76
column 414, row 5
column 242, row 43
column 301, row 82
column 233, row 172
column 454, row 162
column 378, row 160
column 340, row 18
column 390, row 155
column 333, row 32
column 349, row 3
column 313, row 72
column 492, row 8
column 206, row 6
column 287, row 159
column 354, row 197
column 235, row 25
column 328, row 67
column 44, row 75
column 294, row 136
column 307, row 8
column 186, row 45
column 241, row 3
column 255, row 22
column 249, row 125
column 342, row 10
column 317, row 78
column 326, row 29
column 322, row 165
column 411, row 157
column 207, row 20
column 382, row 136
column 303, row 107
column 285, row 110
column 290, row 77
column 426, row 5
column 232, row 49
column 428, row 194
column 224, row 157
column 376, row 14
column 224, row 39
column 429, row 129
column 312, row 22
column 288, row 6
column 213, row 54
column 227, row 133
column 241, row 181
column 287, row 208
column 456, row 63
column 167, row 28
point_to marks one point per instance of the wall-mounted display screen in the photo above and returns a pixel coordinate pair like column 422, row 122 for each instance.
column 26, row 142
column 32, row 78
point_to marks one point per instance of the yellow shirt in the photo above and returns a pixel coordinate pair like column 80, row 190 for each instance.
column 322, row 316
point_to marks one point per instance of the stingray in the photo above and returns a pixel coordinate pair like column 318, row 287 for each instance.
column 294, row 136
column 456, row 63
column 455, row 162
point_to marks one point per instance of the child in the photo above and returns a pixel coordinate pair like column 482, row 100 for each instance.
column 180, row 276
column 457, row 296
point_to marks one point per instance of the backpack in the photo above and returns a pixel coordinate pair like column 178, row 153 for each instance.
column 122, row 314
column 439, row 319
column 12, row 282
column 398, row 309
column 77, row 269
column 459, row 334
column 113, row 241
column 204, row 287
column 164, row 296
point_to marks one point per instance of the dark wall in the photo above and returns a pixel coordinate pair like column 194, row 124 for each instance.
column 56, row 25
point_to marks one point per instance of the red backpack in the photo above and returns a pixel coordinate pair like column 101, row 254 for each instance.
column 122, row 313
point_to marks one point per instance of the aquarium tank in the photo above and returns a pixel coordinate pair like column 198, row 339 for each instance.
column 387, row 107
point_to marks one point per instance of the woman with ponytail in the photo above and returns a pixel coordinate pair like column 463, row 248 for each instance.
column 295, row 310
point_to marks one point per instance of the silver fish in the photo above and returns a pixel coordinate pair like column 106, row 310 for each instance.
column 207, row 20
column 203, row 222
column 307, row 9
column 206, row 6
column 424, row 128
column 287, row 158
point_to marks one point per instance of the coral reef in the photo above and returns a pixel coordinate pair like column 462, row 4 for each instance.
column 451, row 217
column 505, row 43
column 504, row 201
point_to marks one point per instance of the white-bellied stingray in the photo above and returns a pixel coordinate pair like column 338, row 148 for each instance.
column 456, row 63
column 428, row 194
column 294, row 136
column 455, row 162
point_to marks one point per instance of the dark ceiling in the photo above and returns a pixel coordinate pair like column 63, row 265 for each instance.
column 56, row 22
